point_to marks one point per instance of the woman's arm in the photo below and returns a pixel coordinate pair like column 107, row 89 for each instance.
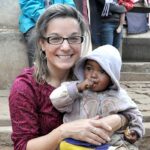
column 92, row 130
column 47, row 142
column 116, row 121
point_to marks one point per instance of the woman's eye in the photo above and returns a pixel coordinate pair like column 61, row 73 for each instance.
column 55, row 38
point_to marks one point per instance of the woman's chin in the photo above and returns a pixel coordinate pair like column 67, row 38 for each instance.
column 65, row 66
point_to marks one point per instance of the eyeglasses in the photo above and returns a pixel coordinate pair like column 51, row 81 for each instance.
column 55, row 40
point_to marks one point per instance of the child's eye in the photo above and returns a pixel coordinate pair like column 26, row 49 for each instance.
column 88, row 68
column 102, row 71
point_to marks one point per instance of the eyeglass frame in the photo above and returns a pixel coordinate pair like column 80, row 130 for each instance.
column 48, row 41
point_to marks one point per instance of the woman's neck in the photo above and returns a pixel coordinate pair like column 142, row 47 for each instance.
column 57, row 76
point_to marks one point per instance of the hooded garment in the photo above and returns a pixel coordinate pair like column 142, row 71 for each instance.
column 114, row 100
column 108, row 57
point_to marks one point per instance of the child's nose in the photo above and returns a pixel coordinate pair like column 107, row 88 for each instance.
column 94, row 74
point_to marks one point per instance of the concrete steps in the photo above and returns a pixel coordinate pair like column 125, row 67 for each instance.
column 5, row 124
column 135, row 48
column 9, row 12
column 13, row 57
column 5, row 136
column 135, row 71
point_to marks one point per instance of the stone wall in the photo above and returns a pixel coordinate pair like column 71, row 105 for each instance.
column 13, row 56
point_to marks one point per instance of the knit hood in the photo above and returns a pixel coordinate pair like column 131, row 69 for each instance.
column 108, row 57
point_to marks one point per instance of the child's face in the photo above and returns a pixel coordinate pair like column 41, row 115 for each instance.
column 93, row 70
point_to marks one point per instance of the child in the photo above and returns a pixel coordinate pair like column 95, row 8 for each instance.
column 98, row 92
column 128, row 5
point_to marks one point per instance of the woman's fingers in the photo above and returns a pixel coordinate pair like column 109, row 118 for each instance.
column 99, row 123
column 101, row 135
column 89, row 137
column 96, row 134
column 90, row 130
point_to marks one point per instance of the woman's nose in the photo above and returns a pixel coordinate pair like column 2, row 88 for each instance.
column 65, row 45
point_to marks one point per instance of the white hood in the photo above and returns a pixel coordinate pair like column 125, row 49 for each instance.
column 108, row 57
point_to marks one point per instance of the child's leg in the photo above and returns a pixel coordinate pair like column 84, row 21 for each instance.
column 122, row 18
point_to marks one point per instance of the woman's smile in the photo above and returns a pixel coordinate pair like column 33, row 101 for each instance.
column 64, row 56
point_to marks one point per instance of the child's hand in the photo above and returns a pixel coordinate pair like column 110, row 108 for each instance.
column 86, row 84
column 130, row 135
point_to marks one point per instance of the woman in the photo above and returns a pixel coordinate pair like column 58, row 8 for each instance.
column 30, row 12
column 36, row 124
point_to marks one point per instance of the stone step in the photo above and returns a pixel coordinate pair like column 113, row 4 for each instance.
column 4, row 113
column 13, row 56
column 135, row 71
column 4, row 147
column 131, row 76
column 136, row 67
column 9, row 12
column 135, row 48
column 5, row 136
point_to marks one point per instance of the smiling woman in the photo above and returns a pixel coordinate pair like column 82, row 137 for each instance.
column 60, row 54
column 61, row 34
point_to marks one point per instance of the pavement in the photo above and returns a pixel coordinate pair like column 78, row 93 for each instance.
column 138, row 90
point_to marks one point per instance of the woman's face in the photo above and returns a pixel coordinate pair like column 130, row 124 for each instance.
column 62, row 56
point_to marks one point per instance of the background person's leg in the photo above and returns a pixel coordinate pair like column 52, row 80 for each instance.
column 30, row 42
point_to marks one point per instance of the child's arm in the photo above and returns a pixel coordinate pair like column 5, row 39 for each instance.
column 125, row 106
column 130, row 110
column 64, row 96
column 135, row 124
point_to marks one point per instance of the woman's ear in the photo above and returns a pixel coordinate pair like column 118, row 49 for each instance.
column 42, row 44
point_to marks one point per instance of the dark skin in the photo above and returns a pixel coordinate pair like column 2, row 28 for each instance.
column 96, row 79
column 131, row 136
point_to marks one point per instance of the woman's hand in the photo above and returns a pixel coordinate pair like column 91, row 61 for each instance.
column 115, row 121
column 94, row 131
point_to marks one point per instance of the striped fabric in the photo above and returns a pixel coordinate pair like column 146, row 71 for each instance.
column 71, row 144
